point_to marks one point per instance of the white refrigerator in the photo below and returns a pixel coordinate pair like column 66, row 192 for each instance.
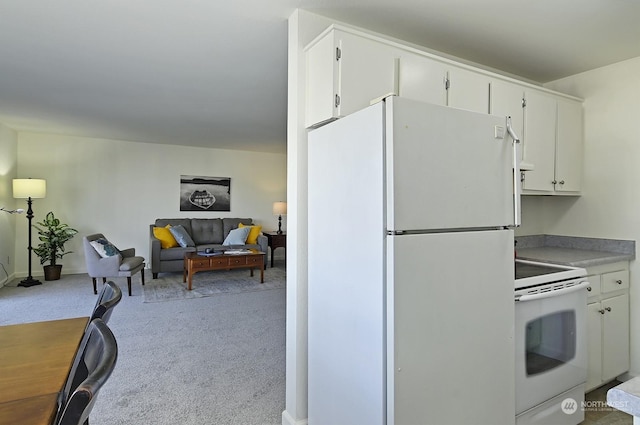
column 411, row 271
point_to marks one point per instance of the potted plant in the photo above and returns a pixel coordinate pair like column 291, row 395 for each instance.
column 52, row 235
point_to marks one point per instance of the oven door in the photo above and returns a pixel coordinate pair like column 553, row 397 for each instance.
column 551, row 346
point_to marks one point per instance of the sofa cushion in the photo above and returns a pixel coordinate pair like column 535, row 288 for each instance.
column 253, row 233
column 175, row 253
column 206, row 231
column 237, row 236
column 232, row 223
column 182, row 237
column 184, row 222
column 165, row 237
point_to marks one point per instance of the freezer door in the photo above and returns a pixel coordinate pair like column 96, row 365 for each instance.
column 450, row 319
column 446, row 168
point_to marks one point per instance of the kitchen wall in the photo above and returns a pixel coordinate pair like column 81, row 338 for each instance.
column 8, row 158
column 119, row 187
column 610, row 203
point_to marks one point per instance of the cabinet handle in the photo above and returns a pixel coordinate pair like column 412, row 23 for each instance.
column 337, row 101
column 554, row 182
column 619, row 282
column 589, row 289
column 608, row 308
column 561, row 181
column 601, row 311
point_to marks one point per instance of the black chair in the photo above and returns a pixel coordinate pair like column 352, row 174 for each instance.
column 109, row 297
column 91, row 369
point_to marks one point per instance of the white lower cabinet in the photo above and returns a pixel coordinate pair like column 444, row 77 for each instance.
column 608, row 323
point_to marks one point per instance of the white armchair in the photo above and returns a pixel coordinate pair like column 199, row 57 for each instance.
column 105, row 261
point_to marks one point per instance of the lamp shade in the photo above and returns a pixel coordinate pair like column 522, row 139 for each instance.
column 29, row 188
column 279, row 208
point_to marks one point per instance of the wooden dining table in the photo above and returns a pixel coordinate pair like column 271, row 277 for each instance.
column 35, row 360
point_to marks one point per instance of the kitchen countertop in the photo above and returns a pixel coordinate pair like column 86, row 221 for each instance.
column 574, row 251
column 626, row 397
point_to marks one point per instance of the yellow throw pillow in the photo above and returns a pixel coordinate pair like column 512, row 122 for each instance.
column 255, row 231
column 166, row 238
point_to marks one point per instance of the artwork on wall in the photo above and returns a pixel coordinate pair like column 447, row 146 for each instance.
column 199, row 193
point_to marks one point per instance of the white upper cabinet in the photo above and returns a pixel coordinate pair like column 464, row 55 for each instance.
column 506, row 101
column 345, row 72
column 422, row 78
column 429, row 80
column 539, row 141
column 569, row 146
column 347, row 69
column 468, row 90
column 552, row 143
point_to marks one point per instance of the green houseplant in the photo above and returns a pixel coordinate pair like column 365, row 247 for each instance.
column 52, row 235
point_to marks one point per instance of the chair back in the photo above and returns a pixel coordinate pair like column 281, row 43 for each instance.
column 91, row 256
column 99, row 358
column 109, row 297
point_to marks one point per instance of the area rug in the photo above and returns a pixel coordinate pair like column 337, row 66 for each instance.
column 169, row 286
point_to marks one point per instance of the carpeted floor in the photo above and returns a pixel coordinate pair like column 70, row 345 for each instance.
column 211, row 360
column 169, row 286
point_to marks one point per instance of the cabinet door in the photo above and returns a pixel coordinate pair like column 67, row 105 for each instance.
column 322, row 81
column 344, row 73
column 506, row 100
column 468, row 90
column 421, row 78
column 594, row 345
column 615, row 336
column 366, row 71
column 569, row 146
column 539, row 140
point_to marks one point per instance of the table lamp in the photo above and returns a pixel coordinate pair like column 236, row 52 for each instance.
column 279, row 208
column 29, row 189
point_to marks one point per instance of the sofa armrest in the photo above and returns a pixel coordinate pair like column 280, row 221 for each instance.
column 129, row 252
column 264, row 245
column 154, row 251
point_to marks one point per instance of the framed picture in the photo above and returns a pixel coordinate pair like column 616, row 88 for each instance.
column 199, row 193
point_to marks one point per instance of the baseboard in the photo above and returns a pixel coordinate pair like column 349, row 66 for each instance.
column 288, row 420
column 626, row 376
column 7, row 279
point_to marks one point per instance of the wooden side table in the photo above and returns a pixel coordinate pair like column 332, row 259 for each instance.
column 276, row 241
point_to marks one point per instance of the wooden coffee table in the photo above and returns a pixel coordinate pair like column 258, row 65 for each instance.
column 193, row 263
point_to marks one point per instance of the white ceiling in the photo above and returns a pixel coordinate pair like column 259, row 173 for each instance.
column 213, row 73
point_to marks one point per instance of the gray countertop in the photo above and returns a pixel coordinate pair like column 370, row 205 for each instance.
column 626, row 397
column 574, row 251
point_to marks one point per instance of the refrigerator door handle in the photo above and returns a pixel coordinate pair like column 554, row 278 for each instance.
column 516, row 175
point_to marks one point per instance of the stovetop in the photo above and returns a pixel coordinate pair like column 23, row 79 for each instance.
column 531, row 273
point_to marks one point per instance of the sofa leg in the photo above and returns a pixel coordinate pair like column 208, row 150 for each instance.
column 142, row 275
column 129, row 284
column 155, row 275
column 95, row 289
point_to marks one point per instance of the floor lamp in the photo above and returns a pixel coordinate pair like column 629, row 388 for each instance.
column 29, row 189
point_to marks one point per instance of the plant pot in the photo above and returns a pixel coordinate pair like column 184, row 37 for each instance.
column 52, row 272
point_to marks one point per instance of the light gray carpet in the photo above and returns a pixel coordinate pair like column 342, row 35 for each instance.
column 212, row 360
column 169, row 286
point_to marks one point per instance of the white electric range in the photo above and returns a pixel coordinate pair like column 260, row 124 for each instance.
column 551, row 345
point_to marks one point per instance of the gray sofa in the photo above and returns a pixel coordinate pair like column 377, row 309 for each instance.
column 205, row 232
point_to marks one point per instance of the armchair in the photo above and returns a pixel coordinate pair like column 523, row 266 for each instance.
column 110, row 262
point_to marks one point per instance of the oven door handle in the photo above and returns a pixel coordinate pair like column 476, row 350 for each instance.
column 582, row 285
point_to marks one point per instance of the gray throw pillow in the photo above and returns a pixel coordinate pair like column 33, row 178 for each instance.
column 237, row 236
column 181, row 236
